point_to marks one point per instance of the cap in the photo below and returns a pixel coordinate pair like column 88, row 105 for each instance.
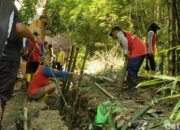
column 36, row 32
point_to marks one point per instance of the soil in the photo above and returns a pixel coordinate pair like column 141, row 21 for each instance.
column 46, row 116
column 40, row 115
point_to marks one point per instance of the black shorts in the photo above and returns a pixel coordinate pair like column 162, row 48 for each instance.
column 8, row 74
column 32, row 67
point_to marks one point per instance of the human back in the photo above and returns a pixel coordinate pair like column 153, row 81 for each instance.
column 135, row 45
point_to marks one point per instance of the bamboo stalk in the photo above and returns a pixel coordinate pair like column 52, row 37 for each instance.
column 83, row 65
column 101, row 78
column 104, row 91
column 66, row 79
column 72, row 69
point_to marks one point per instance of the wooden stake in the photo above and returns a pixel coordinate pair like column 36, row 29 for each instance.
column 25, row 118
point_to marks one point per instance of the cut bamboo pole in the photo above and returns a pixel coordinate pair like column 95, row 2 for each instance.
column 102, row 78
column 104, row 91
column 25, row 118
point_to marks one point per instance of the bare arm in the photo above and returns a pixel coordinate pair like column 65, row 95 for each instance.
column 23, row 31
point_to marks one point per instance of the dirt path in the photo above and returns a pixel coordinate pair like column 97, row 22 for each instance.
column 40, row 116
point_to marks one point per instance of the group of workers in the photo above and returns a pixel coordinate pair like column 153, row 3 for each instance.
column 12, row 32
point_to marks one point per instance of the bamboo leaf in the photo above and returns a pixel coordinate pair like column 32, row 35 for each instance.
column 177, row 117
column 148, row 83
column 173, row 86
column 175, row 110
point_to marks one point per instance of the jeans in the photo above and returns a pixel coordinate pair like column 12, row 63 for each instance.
column 133, row 67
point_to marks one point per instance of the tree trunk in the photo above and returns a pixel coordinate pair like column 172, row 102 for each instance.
column 178, row 62
column 177, row 14
column 172, row 28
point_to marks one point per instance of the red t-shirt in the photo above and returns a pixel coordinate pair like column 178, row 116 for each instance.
column 34, row 51
column 135, row 45
column 38, row 81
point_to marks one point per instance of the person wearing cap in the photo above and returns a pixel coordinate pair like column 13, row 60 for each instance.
column 41, row 84
column 151, row 47
column 134, row 51
column 35, row 51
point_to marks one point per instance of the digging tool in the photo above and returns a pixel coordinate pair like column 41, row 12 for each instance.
column 124, row 70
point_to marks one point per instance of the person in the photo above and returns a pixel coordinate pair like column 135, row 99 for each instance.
column 53, row 56
column 134, row 52
column 60, row 58
column 151, row 47
column 34, row 53
column 40, row 85
column 12, row 31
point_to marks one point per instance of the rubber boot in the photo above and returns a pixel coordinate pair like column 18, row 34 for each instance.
column 28, row 77
column 131, row 82
column 152, row 72
column 146, row 72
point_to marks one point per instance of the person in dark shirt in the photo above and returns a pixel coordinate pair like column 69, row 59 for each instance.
column 10, row 56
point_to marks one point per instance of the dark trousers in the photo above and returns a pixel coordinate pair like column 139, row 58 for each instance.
column 59, row 66
column 133, row 67
column 32, row 67
column 8, row 77
column 150, row 63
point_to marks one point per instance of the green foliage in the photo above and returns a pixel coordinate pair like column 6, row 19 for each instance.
column 28, row 10
column 105, row 111
column 90, row 21
column 174, row 117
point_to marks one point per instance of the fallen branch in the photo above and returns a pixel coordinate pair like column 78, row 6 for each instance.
column 104, row 91
column 102, row 78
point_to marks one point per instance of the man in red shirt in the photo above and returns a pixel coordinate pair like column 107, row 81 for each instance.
column 134, row 51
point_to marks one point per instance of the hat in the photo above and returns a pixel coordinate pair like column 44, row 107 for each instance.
column 116, row 28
